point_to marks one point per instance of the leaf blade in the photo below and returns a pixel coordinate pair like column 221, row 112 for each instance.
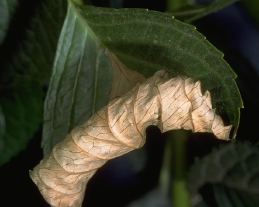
column 26, row 62
column 147, row 41
column 29, row 51
column 20, row 109
column 232, row 171
column 81, row 57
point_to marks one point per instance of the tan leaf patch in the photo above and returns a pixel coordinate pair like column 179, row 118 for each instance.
column 124, row 79
column 169, row 103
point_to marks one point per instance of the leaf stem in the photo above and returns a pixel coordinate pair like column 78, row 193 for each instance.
column 180, row 195
column 173, row 172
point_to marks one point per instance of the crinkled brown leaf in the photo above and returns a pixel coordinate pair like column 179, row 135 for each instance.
column 169, row 103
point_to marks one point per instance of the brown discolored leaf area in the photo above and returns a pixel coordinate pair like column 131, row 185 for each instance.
column 124, row 79
column 169, row 103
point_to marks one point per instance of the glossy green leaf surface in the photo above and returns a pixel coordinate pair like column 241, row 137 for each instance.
column 7, row 8
column 145, row 41
column 233, row 172
column 148, row 41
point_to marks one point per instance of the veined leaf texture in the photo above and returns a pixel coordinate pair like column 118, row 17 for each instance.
column 163, row 101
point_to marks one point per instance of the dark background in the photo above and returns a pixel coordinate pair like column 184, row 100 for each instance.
column 234, row 32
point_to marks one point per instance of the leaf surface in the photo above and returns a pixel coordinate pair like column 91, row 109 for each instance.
column 124, row 78
column 20, row 109
column 29, row 51
column 142, row 41
column 120, row 127
column 80, row 83
column 233, row 173
column 148, row 41
column 26, row 62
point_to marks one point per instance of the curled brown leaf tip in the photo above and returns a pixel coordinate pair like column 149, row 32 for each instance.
column 169, row 103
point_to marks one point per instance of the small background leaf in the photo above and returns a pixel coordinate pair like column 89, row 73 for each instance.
column 232, row 172
column 26, row 61
column 29, row 50
column 20, row 109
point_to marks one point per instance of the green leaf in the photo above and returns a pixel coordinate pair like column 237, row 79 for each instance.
column 22, row 114
column 24, row 68
column 148, row 41
column 29, row 56
column 7, row 8
column 229, row 197
column 233, row 172
column 80, row 82
column 145, row 41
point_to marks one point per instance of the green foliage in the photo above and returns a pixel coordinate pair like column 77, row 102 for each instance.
column 148, row 41
column 29, row 55
column 26, row 62
column 233, row 172
column 22, row 115
column 145, row 41
column 80, row 83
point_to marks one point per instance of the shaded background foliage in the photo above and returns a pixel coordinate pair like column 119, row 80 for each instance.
column 232, row 30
